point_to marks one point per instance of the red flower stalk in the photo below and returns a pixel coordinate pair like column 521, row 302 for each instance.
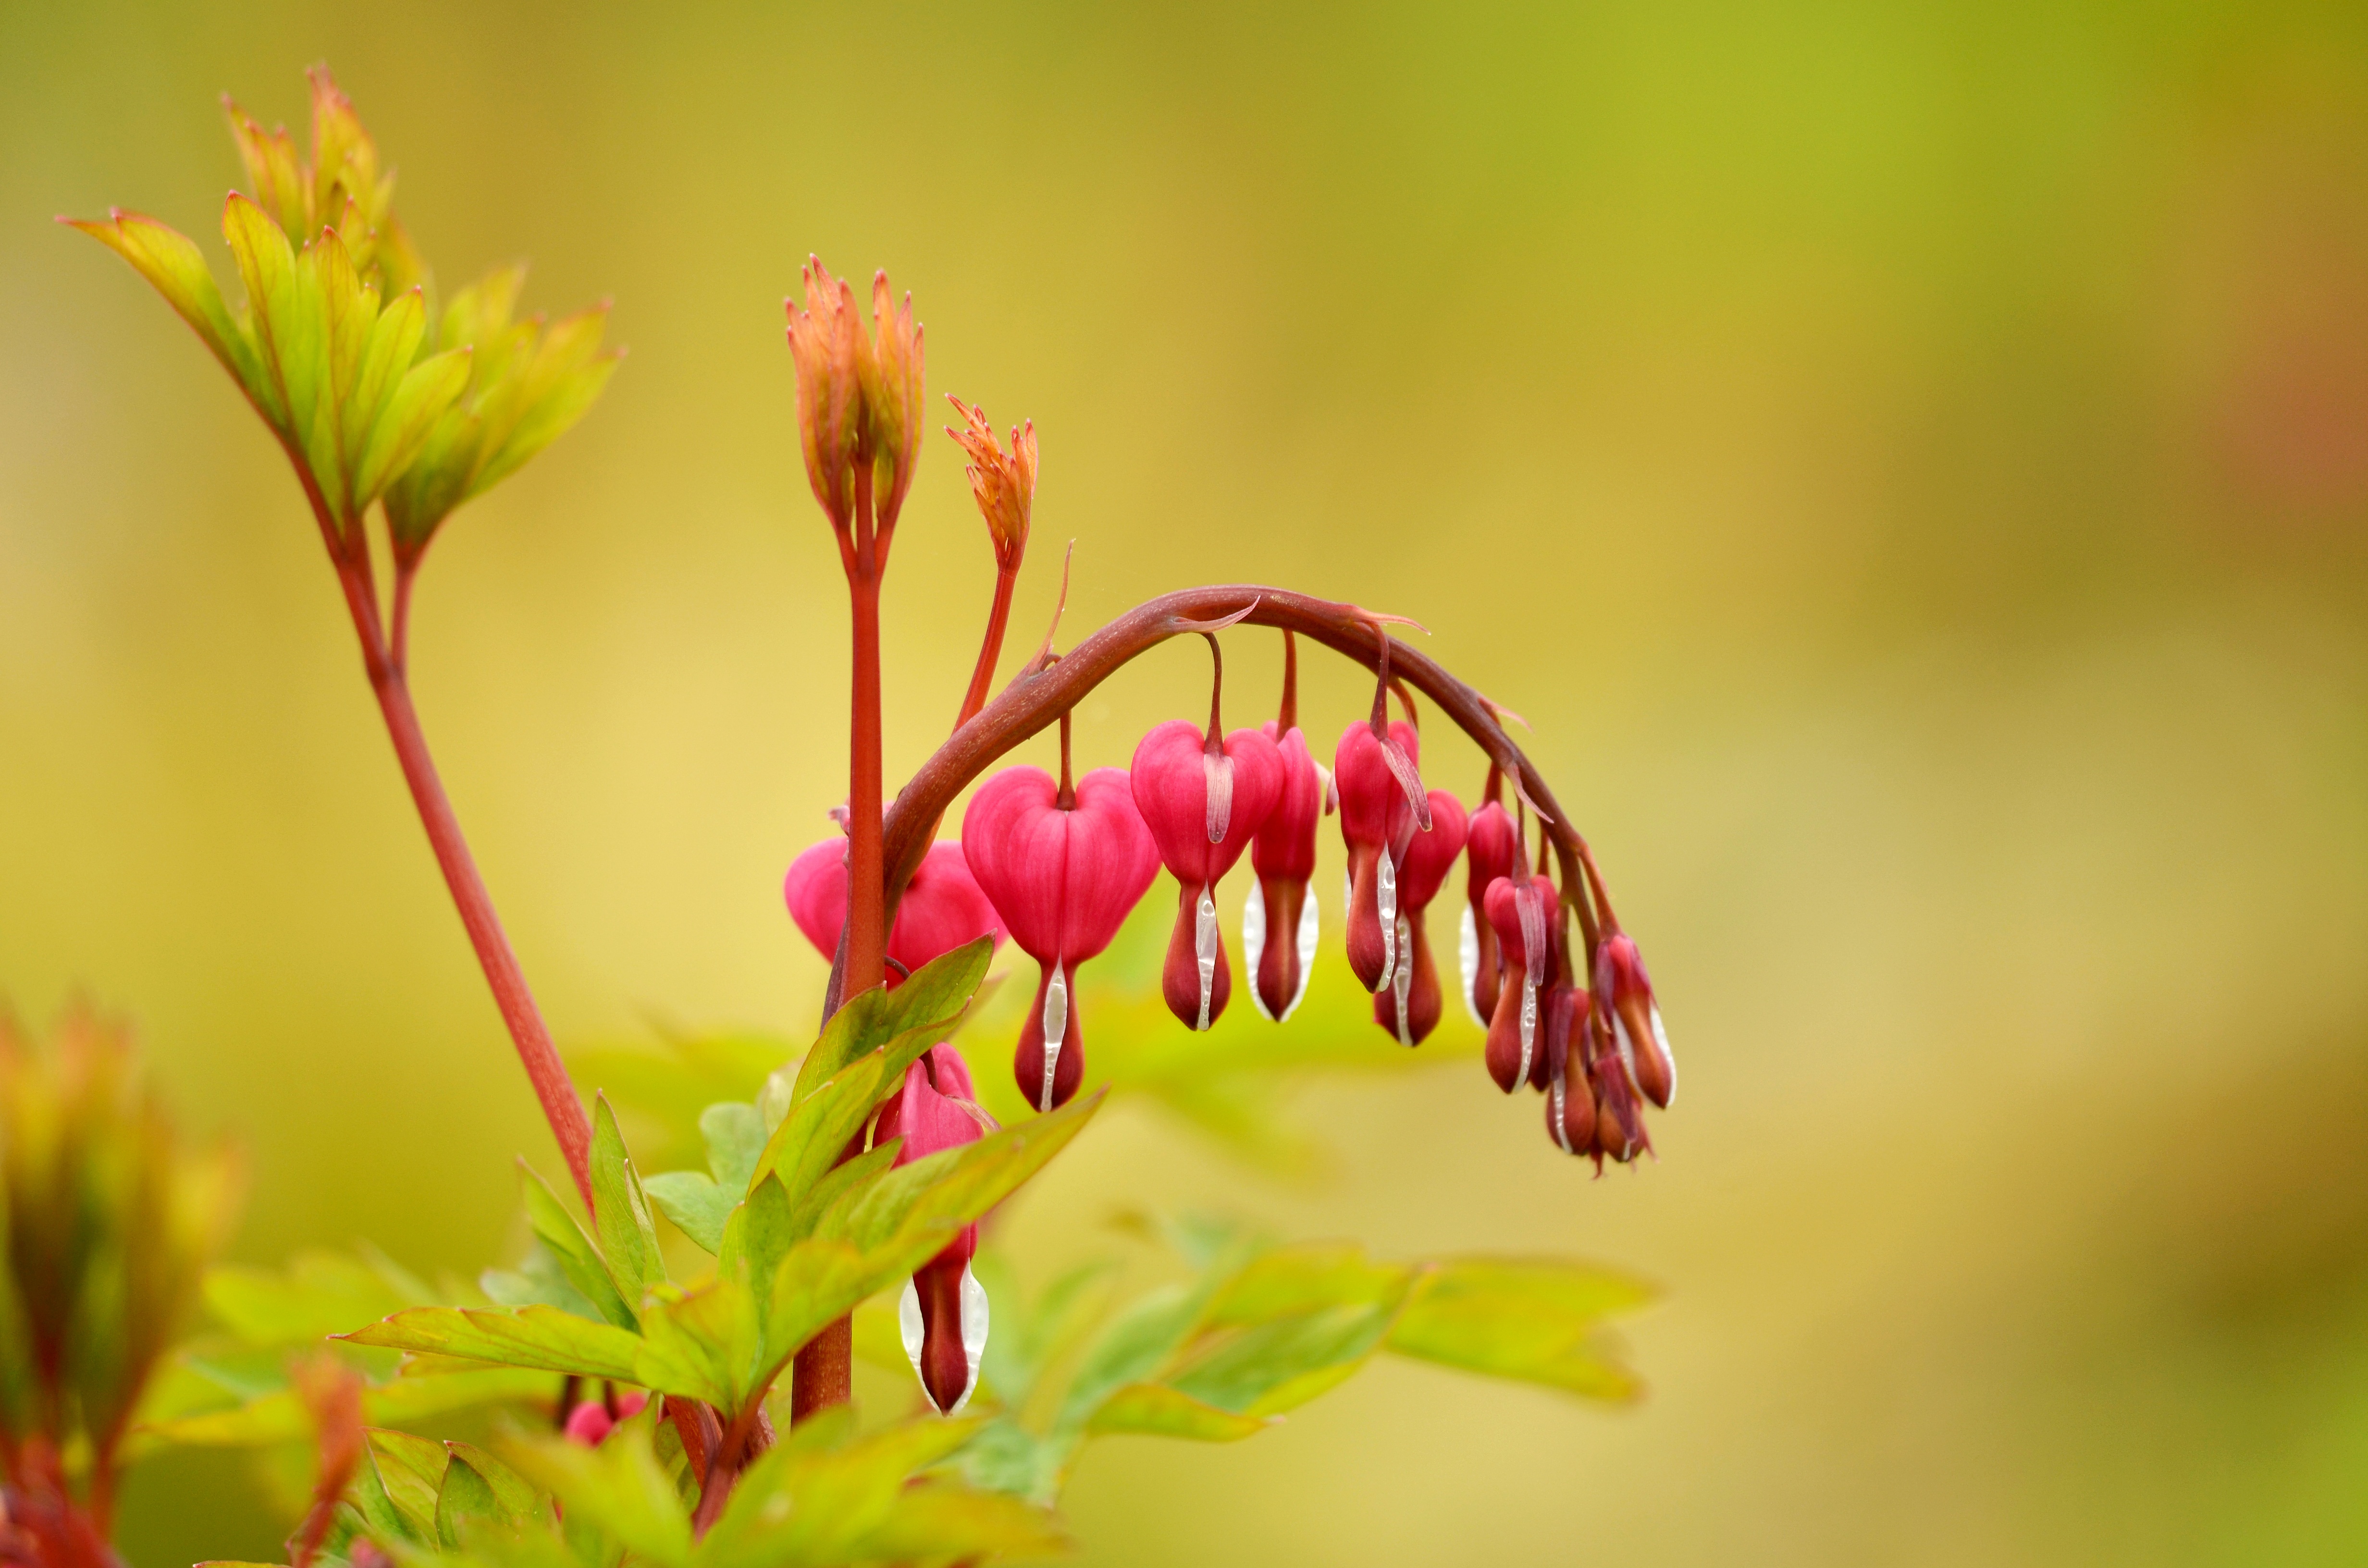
column 943, row 907
column 1635, row 1017
column 1382, row 806
column 1522, row 909
column 1005, row 488
column 1491, row 850
column 1205, row 798
column 943, row 1313
column 1283, row 856
column 1063, row 867
column 1409, row 1006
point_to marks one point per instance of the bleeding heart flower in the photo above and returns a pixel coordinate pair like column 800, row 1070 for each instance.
column 1490, row 850
column 1522, row 910
column 1204, row 803
column 1061, row 868
column 1618, row 1119
column 1409, row 1006
column 1283, row 856
column 943, row 1311
column 942, row 907
column 1381, row 808
column 1636, row 1017
column 1570, row 1096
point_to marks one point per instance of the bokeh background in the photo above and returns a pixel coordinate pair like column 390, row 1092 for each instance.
column 1910, row 465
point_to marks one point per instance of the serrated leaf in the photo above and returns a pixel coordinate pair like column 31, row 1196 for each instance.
column 318, row 1294
column 526, row 1337
column 933, row 998
column 1530, row 1320
column 735, row 1137
column 537, row 1281
column 1281, row 1365
column 1156, row 1410
column 820, row 1496
column 577, row 1258
column 629, row 1239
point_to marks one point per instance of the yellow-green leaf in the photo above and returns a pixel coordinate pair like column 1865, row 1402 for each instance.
column 526, row 1337
column 1155, row 1410
column 421, row 398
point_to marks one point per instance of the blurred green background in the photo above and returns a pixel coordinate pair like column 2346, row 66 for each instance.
column 1910, row 465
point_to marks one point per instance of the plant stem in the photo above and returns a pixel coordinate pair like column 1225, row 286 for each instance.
column 990, row 650
column 540, row 1058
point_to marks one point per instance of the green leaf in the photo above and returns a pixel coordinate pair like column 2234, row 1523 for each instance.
column 280, row 1415
column 577, row 1258
column 936, row 1521
column 410, row 1472
column 476, row 1487
column 1530, row 1320
column 933, row 998
column 537, row 1281
column 701, row 1344
column 397, row 434
column 1281, row 1365
column 174, row 267
column 1155, row 1410
column 619, row 1486
column 526, row 1336
column 1024, row 1343
column 318, row 1294
column 735, row 1137
column 1138, row 1345
column 629, row 1239
column 1306, row 1279
column 697, row 1204
column 822, row 1495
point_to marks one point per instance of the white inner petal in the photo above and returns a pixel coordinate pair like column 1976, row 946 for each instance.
column 1387, row 901
column 909, row 1326
column 1668, row 1058
column 1204, row 947
column 1306, row 949
column 1402, row 982
column 1217, row 770
column 974, row 1332
column 1254, row 945
column 1528, row 1029
column 1467, row 953
column 1560, row 1102
column 1056, row 1027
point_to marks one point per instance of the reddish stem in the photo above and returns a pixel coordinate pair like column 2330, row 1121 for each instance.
column 1286, row 716
column 990, row 649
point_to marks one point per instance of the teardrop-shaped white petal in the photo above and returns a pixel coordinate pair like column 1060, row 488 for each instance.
column 1204, row 948
column 1386, row 898
column 974, row 1332
column 1467, row 953
column 1056, row 1027
column 1306, row 951
column 1402, row 981
column 1254, row 945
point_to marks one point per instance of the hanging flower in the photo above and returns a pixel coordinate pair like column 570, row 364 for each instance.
column 1408, row 1005
column 1204, row 801
column 1491, row 846
column 1283, row 856
column 1635, row 1017
column 943, row 1313
column 1063, row 867
column 1522, row 909
column 1382, row 806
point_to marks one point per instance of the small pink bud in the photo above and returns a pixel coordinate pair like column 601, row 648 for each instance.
column 587, row 1424
column 1619, row 1117
column 1203, row 806
column 942, row 908
column 1635, row 1017
column 1490, row 849
column 1522, row 910
column 1409, row 1006
column 1062, row 878
column 1278, row 923
column 935, row 1109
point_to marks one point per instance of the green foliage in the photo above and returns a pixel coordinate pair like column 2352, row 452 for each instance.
column 106, row 1222
column 333, row 344
column 1257, row 1330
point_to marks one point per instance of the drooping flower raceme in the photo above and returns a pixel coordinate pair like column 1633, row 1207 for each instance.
column 1063, row 870
column 1382, row 806
column 1491, row 846
column 943, row 1313
column 1278, row 920
column 1523, row 910
column 1204, row 801
column 1407, row 1008
column 943, row 905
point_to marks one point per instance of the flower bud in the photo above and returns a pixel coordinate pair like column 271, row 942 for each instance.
column 1491, row 848
column 587, row 1424
column 1004, row 487
column 1570, row 1097
column 1618, row 1119
column 944, row 1311
column 1408, row 1005
column 1204, row 803
column 1522, row 910
column 942, row 908
column 1635, row 1017
column 1062, row 878
column 858, row 394
column 1283, row 856
column 1382, row 807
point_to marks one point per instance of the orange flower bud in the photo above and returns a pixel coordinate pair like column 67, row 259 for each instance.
column 858, row 394
column 1004, row 486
